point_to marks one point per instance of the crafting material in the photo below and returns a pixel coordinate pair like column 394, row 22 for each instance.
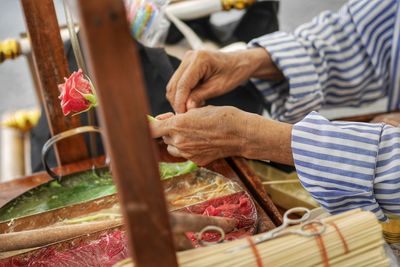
column 90, row 250
column 238, row 206
column 351, row 239
column 48, row 235
column 284, row 188
column 215, row 208
column 391, row 233
column 183, row 222
column 9, row 49
column 169, row 170
column 197, row 187
column 180, row 223
column 76, row 188
column 281, row 182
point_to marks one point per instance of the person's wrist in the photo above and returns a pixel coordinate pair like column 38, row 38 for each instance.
column 250, row 130
column 267, row 139
column 262, row 65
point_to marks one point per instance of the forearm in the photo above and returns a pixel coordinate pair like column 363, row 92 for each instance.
column 332, row 61
column 260, row 63
column 268, row 139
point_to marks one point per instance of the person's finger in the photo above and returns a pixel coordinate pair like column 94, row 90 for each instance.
column 168, row 140
column 174, row 151
column 188, row 82
column 160, row 128
column 377, row 119
column 391, row 122
column 198, row 96
column 172, row 84
column 190, row 104
column 165, row 116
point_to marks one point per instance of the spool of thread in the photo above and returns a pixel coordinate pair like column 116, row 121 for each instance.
column 9, row 49
column 237, row 4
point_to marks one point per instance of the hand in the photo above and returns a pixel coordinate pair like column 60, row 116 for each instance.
column 204, row 74
column 209, row 133
column 391, row 119
column 205, row 134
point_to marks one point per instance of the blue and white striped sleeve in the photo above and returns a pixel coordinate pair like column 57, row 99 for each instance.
column 347, row 165
column 338, row 59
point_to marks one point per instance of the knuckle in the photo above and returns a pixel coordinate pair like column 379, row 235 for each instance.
column 175, row 125
column 201, row 55
column 168, row 88
column 178, row 141
column 188, row 55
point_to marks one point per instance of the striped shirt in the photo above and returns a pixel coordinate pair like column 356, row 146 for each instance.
column 348, row 58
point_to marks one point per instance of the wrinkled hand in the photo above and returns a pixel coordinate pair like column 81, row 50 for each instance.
column 204, row 134
column 205, row 74
column 391, row 119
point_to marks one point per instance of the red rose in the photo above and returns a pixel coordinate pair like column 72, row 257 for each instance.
column 77, row 94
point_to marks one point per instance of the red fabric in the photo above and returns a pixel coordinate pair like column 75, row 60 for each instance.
column 109, row 249
column 238, row 206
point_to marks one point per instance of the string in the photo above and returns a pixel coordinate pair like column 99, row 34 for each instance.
column 345, row 245
column 255, row 252
column 321, row 246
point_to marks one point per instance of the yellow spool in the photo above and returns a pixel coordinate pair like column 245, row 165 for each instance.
column 23, row 120
column 391, row 230
column 9, row 49
column 237, row 4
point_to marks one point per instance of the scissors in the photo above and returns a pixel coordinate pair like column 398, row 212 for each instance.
column 319, row 228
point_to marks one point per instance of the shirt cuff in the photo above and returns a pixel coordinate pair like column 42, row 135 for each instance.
column 301, row 90
column 336, row 162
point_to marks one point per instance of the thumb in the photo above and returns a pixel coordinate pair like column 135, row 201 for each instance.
column 198, row 96
column 165, row 116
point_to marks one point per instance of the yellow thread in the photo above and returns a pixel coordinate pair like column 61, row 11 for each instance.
column 237, row 4
column 9, row 49
column 23, row 120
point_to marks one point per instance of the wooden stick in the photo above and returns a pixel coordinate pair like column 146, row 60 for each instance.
column 281, row 182
column 48, row 235
column 52, row 67
column 115, row 67
column 180, row 223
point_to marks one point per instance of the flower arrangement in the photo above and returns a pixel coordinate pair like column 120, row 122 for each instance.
column 77, row 94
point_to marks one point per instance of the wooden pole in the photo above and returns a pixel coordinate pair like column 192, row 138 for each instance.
column 115, row 68
column 52, row 67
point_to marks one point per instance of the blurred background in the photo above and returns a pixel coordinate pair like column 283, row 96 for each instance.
column 16, row 87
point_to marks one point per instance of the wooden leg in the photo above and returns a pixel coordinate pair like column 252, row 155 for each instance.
column 115, row 69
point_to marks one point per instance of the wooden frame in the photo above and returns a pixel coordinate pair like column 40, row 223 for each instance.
column 52, row 67
column 115, row 68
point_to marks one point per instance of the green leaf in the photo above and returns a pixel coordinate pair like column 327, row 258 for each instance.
column 151, row 118
column 91, row 98
column 169, row 170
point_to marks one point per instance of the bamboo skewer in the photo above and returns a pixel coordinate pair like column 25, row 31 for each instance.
column 180, row 224
column 361, row 232
column 48, row 235
column 281, row 182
